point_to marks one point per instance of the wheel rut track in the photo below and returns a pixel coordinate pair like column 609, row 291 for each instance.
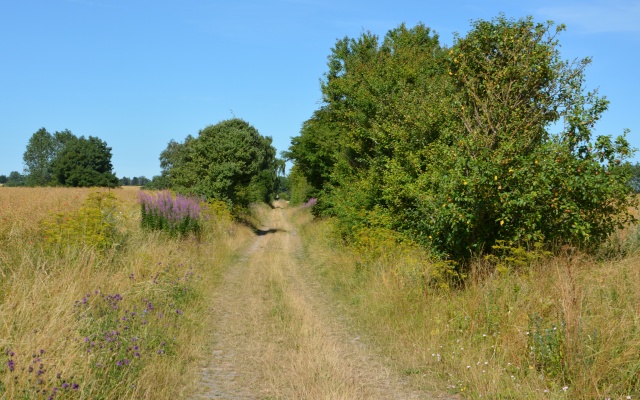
column 276, row 335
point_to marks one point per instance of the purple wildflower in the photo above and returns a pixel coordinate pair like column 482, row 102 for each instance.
column 11, row 365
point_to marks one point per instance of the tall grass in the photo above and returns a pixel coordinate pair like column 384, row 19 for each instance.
column 123, row 319
column 564, row 326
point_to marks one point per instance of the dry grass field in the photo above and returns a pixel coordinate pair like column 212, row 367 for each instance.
column 94, row 306
column 120, row 313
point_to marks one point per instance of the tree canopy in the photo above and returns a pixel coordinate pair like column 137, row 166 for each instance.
column 64, row 159
column 229, row 161
column 458, row 148
column 84, row 162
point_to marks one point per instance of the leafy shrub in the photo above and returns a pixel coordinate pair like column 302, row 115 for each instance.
column 177, row 215
column 507, row 258
column 95, row 224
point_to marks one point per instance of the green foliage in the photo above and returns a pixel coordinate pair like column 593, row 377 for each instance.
column 457, row 146
column 38, row 157
column 548, row 348
column 315, row 150
column 635, row 177
column 300, row 189
column 228, row 161
column 15, row 178
column 84, row 162
column 95, row 224
column 507, row 258
column 41, row 152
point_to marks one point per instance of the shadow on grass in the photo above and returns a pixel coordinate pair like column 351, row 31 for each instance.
column 262, row 232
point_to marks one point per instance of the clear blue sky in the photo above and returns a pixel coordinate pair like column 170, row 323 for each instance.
column 138, row 73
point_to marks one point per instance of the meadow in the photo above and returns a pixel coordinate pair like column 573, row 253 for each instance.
column 98, row 302
column 520, row 325
column 94, row 306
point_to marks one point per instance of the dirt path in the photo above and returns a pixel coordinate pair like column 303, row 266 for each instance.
column 276, row 336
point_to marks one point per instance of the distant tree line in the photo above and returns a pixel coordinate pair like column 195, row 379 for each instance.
column 135, row 181
column 15, row 178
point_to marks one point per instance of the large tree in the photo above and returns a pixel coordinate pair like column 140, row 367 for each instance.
column 41, row 151
column 458, row 148
column 38, row 157
column 84, row 162
column 229, row 161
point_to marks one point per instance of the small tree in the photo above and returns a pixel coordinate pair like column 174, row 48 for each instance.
column 228, row 161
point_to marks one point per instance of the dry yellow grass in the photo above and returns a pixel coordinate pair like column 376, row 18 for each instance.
column 277, row 336
column 570, row 322
column 55, row 304
column 567, row 327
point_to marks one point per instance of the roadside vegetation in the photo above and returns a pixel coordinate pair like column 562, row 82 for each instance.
column 525, row 325
column 468, row 218
column 490, row 142
column 97, row 306
column 472, row 220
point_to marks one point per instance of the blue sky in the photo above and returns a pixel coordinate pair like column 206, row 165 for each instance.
column 138, row 73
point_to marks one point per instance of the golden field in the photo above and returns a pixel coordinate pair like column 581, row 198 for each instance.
column 113, row 314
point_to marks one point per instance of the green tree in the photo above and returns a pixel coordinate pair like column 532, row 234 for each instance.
column 456, row 147
column 229, row 161
column 84, row 162
column 316, row 149
column 158, row 182
column 43, row 148
column 3, row 179
column 502, row 173
column 634, row 182
column 38, row 156
column 125, row 181
column 300, row 190
column 15, row 178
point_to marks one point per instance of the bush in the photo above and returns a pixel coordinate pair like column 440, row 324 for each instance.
column 95, row 224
